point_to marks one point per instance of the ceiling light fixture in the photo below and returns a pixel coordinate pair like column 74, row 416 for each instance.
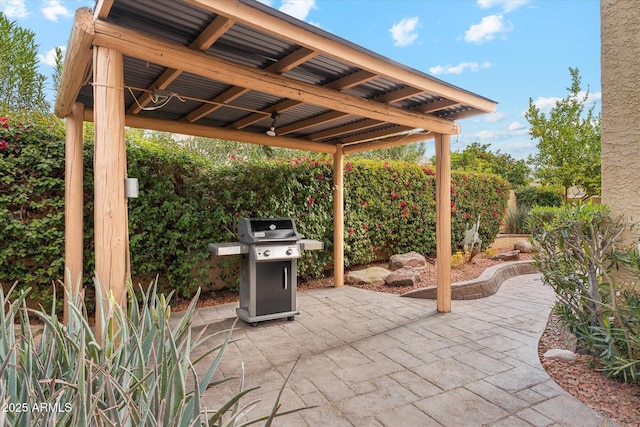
column 272, row 129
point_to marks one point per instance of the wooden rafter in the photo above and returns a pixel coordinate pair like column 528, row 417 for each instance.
column 312, row 121
column 282, row 66
column 380, row 133
column 204, row 41
column 343, row 83
column 342, row 130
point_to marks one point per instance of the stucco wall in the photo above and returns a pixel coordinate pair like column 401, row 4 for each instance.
column 620, row 60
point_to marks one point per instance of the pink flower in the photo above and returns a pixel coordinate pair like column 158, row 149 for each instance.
column 351, row 231
column 393, row 196
column 364, row 226
column 311, row 201
column 3, row 144
column 403, row 204
column 467, row 215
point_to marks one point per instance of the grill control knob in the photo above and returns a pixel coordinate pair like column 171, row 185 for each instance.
column 289, row 251
column 267, row 252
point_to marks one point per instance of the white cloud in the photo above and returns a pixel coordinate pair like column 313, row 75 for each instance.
column 49, row 58
column 546, row 104
column 592, row 98
column 517, row 127
column 53, row 9
column 513, row 130
column 14, row 8
column 267, row 2
column 405, row 32
column 297, row 8
column 507, row 5
column 486, row 30
column 494, row 117
column 458, row 69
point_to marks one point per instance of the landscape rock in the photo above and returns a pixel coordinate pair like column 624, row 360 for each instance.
column 368, row 275
column 406, row 276
column 523, row 246
column 507, row 256
column 560, row 354
column 411, row 259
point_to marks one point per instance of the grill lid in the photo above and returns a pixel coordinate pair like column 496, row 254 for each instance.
column 259, row 230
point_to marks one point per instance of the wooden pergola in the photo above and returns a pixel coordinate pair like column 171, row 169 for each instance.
column 226, row 69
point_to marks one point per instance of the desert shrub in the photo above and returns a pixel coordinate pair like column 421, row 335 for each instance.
column 139, row 370
column 516, row 220
column 575, row 251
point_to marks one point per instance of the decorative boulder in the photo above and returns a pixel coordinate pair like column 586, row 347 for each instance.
column 507, row 256
column 411, row 259
column 559, row 354
column 368, row 275
column 523, row 246
column 406, row 276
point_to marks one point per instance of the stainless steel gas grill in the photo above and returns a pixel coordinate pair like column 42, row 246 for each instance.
column 269, row 249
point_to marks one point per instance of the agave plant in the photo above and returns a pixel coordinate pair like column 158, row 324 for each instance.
column 138, row 372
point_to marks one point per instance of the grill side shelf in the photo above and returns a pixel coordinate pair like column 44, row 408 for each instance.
column 222, row 249
column 310, row 245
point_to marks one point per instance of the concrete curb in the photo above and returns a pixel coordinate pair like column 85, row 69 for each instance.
column 483, row 286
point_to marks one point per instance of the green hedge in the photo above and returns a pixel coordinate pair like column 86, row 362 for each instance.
column 528, row 197
column 185, row 203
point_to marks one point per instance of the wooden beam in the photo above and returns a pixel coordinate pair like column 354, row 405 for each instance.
column 352, row 80
column 73, row 207
column 77, row 62
column 443, row 223
column 285, row 64
column 150, row 123
column 340, row 84
column 102, row 9
column 291, row 61
column 227, row 96
column 110, row 204
column 204, row 41
column 380, row 133
column 332, row 46
column 153, row 49
column 387, row 142
column 436, row 106
column 280, row 107
column 310, row 122
column 341, row 130
column 397, row 95
column 338, row 217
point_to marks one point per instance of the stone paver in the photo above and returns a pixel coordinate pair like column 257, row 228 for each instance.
column 371, row 359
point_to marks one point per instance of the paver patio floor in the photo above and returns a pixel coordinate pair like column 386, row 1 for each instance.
column 373, row 359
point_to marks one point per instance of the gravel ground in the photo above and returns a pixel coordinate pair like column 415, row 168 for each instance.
column 581, row 378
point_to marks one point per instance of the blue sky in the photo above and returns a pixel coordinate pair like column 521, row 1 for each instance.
column 506, row 50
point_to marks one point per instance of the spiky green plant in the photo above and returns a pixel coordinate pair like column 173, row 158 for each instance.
column 138, row 372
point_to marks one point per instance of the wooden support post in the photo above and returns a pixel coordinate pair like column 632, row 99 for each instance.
column 73, row 205
column 443, row 223
column 338, row 217
column 110, row 220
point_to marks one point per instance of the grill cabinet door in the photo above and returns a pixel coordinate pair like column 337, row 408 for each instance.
column 274, row 287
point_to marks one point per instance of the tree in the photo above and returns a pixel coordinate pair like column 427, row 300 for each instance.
column 478, row 158
column 568, row 141
column 22, row 87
